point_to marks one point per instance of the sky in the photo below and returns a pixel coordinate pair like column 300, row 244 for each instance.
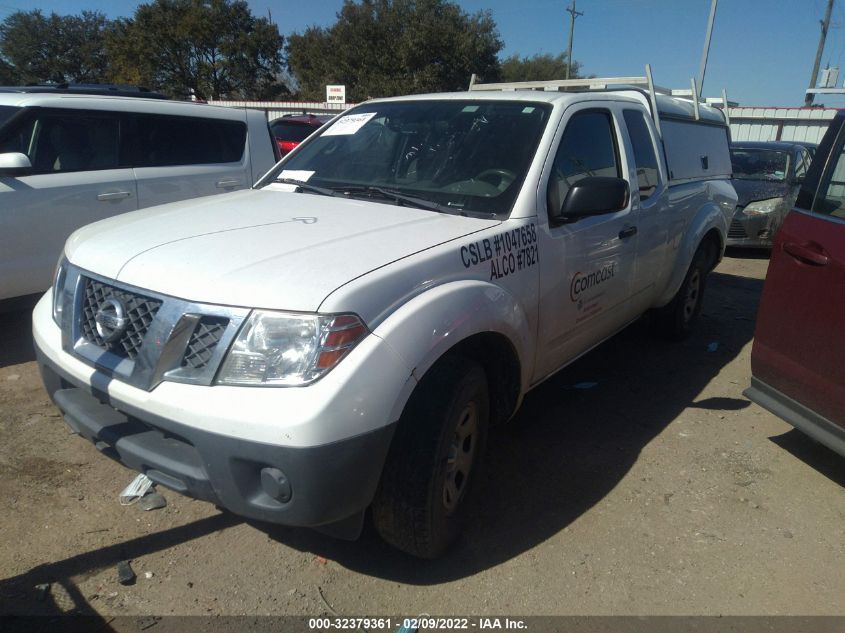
column 762, row 51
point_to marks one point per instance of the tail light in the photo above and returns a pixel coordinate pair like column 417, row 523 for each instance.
column 286, row 146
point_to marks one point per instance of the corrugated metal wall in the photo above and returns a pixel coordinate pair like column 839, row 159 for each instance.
column 275, row 109
column 780, row 124
column 747, row 123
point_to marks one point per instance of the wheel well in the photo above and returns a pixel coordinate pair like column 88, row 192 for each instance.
column 497, row 356
column 714, row 237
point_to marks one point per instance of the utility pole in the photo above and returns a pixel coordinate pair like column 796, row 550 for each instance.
column 572, row 15
column 808, row 99
column 706, row 52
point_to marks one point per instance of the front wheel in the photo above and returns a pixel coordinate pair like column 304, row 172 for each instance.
column 676, row 320
column 434, row 460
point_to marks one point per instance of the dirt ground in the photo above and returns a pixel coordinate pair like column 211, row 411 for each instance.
column 660, row 490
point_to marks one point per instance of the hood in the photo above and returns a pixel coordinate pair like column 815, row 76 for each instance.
column 259, row 248
column 751, row 190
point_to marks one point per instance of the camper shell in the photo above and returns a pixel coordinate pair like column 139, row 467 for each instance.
column 681, row 120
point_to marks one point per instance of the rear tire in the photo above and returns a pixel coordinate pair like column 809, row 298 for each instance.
column 676, row 320
column 433, row 462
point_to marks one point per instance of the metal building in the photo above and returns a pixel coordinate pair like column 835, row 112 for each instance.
column 779, row 124
column 747, row 123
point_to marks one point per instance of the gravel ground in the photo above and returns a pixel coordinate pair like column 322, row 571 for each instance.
column 659, row 491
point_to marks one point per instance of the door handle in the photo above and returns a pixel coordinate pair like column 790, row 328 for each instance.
column 231, row 182
column 812, row 254
column 113, row 195
column 627, row 232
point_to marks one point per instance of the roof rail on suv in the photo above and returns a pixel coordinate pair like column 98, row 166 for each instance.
column 115, row 90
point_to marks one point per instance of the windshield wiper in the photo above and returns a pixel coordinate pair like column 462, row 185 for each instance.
column 301, row 184
column 401, row 198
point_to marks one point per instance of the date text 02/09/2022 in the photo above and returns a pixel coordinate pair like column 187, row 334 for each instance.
column 420, row 623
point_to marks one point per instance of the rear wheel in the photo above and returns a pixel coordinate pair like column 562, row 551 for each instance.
column 676, row 320
column 434, row 460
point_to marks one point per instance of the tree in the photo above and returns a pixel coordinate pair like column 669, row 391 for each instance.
column 543, row 67
column 389, row 47
column 213, row 48
column 36, row 48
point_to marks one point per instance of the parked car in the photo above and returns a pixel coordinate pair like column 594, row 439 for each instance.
column 796, row 360
column 343, row 335
column 72, row 155
column 289, row 131
column 766, row 176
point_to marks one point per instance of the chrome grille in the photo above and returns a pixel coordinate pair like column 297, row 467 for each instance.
column 736, row 230
column 154, row 337
column 140, row 312
column 203, row 341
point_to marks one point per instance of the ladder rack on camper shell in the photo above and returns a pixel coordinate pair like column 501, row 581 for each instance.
column 666, row 103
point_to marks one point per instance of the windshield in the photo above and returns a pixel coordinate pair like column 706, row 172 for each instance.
column 469, row 156
column 759, row 164
column 6, row 113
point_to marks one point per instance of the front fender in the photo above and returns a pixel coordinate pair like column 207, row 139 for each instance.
column 431, row 324
column 713, row 215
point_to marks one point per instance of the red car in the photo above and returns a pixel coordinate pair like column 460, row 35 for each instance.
column 798, row 357
column 290, row 131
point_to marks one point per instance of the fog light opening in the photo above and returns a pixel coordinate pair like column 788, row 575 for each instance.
column 275, row 484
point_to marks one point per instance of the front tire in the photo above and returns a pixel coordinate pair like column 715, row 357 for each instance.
column 434, row 459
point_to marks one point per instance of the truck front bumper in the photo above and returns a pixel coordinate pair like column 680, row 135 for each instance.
column 326, row 486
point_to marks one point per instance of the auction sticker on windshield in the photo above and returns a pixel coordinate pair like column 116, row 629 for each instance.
column 296, row 174
column 349, row 124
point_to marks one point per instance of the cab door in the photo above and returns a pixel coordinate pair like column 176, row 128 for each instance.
column 800, row 337
column 657, row 223
column 75, row 179
column 182, row 157
column 585, row 266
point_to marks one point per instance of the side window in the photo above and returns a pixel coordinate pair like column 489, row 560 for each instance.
column 648, row 176
column 7, row 112
column 588, row 148
column 166, row 141
column 18, row 137
column 830, row 198
column 802, row 164
column 67, row 141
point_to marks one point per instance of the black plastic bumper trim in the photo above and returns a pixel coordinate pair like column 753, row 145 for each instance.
column 819, row 428
column 330, row 483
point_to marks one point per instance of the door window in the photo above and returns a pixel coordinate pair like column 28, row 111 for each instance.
column 830, row 197
column 65, row 141
column 6, row 113
column 648, row 176
column 802, row 164
column 588, row 148
column 164, row 141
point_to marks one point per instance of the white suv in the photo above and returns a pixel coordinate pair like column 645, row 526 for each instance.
column 67, row 160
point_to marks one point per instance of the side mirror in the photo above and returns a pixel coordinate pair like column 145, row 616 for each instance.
column 595, row 195
column 14, row 163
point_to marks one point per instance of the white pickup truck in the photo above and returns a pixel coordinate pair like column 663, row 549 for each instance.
column 341, row 336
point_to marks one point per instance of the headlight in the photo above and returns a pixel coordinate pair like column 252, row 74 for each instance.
column 59, row 289
column 286, row 349
column 763, row 207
